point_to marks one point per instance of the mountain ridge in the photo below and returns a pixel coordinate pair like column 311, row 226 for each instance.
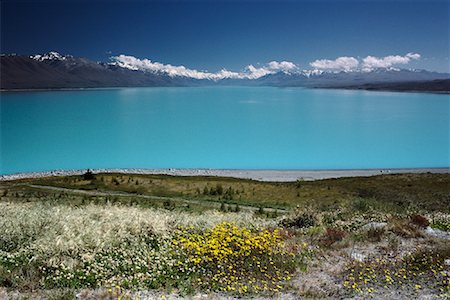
column 55, row 71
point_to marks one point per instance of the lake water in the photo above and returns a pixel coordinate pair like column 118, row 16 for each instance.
column 222, row 127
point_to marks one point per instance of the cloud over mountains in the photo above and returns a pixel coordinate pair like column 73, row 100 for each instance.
column 367, row 64
column 344, row 63
column 371, row 62
column 250, row 72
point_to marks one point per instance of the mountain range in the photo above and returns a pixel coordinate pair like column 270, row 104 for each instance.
column 55, row 71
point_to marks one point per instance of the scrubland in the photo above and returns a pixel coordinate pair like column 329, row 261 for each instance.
column 122, row 236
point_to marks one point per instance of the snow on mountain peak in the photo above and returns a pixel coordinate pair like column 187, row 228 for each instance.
column 314, row 72
column 52, row 55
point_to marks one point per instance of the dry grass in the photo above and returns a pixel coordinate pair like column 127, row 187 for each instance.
column 87, row 241
column 392, row 192
column 60, row 229
column 69, row 247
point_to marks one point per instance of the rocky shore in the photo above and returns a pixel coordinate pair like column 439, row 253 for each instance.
column 261, row 175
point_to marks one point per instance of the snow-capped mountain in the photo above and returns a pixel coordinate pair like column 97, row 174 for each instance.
column 351, row 78
column 52, row 55
column 54, row 70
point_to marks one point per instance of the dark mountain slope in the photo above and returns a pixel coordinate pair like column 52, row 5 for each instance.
column 439, row 85
column 23, row 72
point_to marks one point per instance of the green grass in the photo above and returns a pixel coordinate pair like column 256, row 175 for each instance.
column 430, row 192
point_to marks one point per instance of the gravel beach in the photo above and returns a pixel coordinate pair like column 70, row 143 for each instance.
column 261, row 175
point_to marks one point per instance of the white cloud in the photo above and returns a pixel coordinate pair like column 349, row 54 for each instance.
column 346, row 63
column 371, row 62
column 343, row 63
column 413, row 55
column 133, row 63
column 250, row 72
column 284, row 66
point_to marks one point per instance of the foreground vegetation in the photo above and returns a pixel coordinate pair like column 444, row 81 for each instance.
column 114, row 235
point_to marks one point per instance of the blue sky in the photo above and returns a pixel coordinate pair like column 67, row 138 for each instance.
column 211, row 35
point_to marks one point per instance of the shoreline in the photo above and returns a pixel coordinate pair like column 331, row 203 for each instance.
column 384, row 90
column 75, row 89
column 183, row 86
column 259, row 175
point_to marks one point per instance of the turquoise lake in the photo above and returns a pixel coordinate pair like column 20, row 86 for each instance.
column 222, row 127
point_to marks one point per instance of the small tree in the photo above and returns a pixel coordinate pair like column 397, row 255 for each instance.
column 88, row 175
column 219, row 189
column 205, row 191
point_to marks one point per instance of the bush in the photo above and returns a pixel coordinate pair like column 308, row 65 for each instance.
column 169, row 204
column 361, row 205
column 232, row 258
column 88, row 175
column 420, row 221
column 331, row 236
column 219, row 189
column 205, row 190
column 375, row 234
column 304, row 220
column 405, row 228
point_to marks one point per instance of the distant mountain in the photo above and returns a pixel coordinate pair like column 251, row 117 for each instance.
column 56, row 71
column 348, row 79
column 438, row 85
column 53, row 71
column 284, row 79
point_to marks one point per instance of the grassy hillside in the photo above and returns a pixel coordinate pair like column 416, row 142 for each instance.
column 399, row 192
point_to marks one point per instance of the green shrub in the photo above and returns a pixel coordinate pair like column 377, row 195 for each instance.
column 303, row 220
column 375, row 234
column 88, row 175
column 361, row 205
